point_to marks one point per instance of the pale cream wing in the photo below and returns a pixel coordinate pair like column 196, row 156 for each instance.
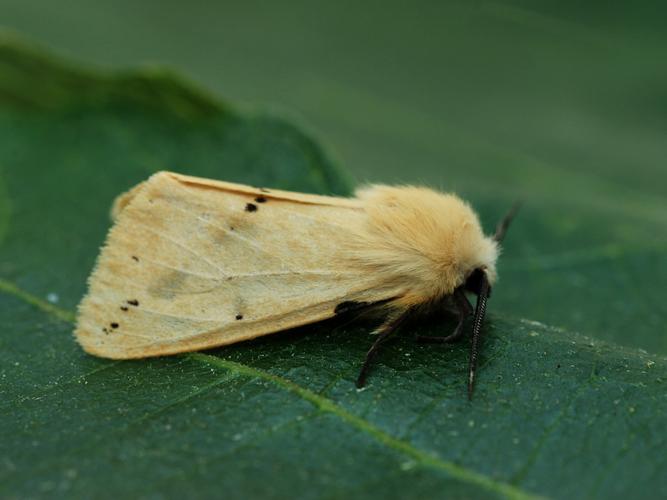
column 192, row 264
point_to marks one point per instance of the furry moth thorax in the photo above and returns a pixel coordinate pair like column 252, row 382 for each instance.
column 428, row 241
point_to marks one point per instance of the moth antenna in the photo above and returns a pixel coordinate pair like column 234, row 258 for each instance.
column 504, row 223
column 480, row 311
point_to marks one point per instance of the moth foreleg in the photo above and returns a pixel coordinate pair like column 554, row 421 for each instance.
column 463, row 310
column 384, row 332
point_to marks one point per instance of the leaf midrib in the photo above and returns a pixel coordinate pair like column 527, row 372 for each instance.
column 320, row 402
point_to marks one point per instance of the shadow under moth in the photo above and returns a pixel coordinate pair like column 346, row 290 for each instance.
column 193, row 263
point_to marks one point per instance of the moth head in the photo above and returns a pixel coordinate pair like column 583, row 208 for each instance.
column 481, row 264
column 486, row 255
column 473, row 283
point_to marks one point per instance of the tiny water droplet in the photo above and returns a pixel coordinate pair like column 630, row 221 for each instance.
column 408, row 465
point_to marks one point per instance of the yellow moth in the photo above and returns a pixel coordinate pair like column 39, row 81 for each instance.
column 193, row 263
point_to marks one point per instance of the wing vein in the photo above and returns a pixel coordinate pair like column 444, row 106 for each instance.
column 181, row 270
column 183, row 246
column 235, row 234
column 310, row 217
column 223, row 326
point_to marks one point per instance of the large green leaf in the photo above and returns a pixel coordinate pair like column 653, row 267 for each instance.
column 555, row 413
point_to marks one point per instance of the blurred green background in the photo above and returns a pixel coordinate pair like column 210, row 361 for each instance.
column 423, row 91
column 560, row 104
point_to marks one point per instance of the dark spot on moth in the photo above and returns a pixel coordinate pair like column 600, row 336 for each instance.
column 133, row 302
column 250, row 207
column 231, row 228
column 135, row 258
column 239, row 317
column 123, row 308
column 260, row 199
column 105, row 330
column 114, row 325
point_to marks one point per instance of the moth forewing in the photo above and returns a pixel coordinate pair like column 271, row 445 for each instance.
column 192, row 264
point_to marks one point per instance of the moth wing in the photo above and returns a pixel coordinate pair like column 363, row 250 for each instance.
column 193, row 264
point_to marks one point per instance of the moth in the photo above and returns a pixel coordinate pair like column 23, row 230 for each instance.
column 193, row 263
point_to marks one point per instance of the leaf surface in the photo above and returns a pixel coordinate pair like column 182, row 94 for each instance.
column 555, row 413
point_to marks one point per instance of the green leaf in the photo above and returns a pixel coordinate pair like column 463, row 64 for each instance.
column 555, row 413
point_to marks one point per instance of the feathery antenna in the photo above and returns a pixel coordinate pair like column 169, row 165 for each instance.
column 480, row 311
column 504, row 223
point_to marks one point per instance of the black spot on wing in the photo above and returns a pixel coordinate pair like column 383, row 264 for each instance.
column 261, row 199
column 250, row 207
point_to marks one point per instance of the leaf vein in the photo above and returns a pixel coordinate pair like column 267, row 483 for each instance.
column 327, row 406
column 62, row 314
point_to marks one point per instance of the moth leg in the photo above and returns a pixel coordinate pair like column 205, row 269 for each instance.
column 464, row 309
column 385, row 331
